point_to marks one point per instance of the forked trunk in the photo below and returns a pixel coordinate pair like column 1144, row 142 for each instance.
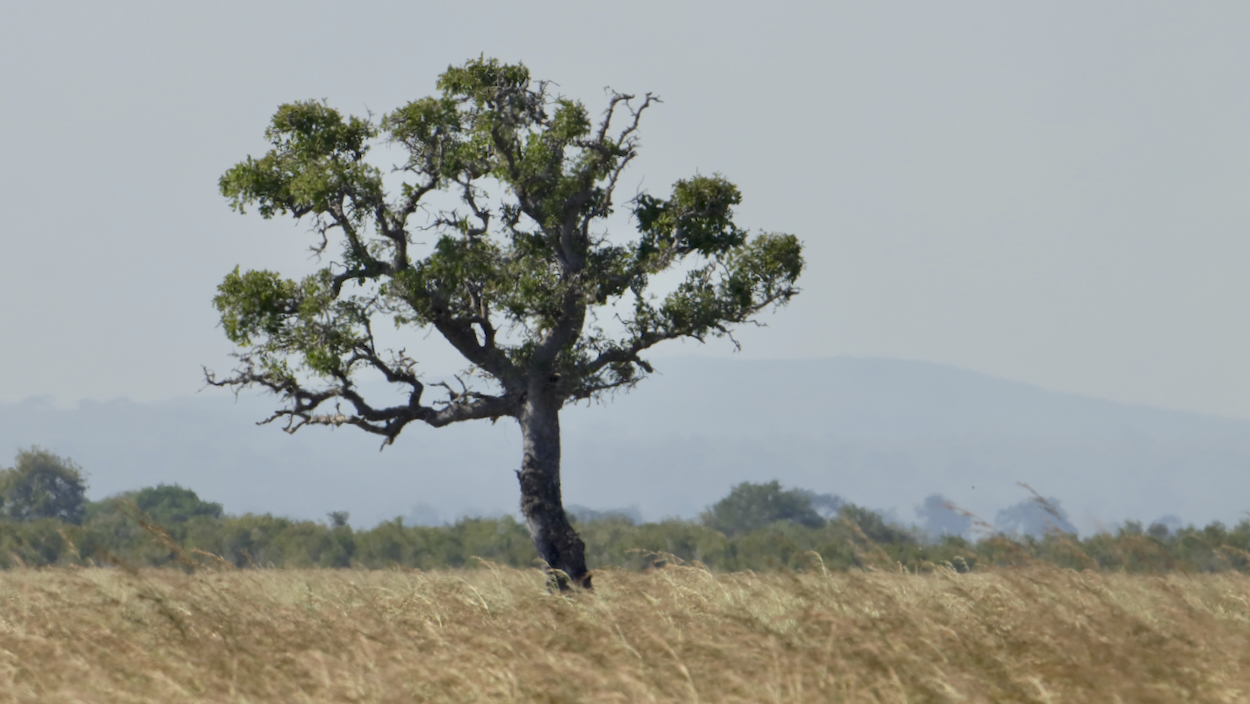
column 558, row 544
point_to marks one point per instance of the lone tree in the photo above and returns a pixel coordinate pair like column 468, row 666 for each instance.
column 496, row 238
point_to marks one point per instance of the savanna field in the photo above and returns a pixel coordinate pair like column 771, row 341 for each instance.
column 676, row 634
column 158, row 596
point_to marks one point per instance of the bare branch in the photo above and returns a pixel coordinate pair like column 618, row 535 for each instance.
column 637, row 115
column 303, row 404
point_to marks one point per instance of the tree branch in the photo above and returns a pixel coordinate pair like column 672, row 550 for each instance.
column 682, row 328
column 303, row 404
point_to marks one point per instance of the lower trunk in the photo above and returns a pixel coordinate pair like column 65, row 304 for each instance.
column 558, row 544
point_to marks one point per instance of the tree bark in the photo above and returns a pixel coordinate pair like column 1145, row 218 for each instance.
column 541, row 504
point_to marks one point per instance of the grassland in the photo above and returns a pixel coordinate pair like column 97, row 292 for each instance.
column 679, row 634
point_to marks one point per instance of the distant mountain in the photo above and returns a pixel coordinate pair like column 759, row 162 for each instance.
column 886, row 433
column 883, row 433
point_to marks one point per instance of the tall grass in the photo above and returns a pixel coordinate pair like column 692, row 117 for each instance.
column 677, row 634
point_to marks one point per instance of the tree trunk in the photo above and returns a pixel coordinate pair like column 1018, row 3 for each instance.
column 558, row 544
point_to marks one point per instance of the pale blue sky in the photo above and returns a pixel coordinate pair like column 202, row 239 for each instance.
column 1054, row 193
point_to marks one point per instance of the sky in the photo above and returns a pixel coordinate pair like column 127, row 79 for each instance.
column 1054, row 193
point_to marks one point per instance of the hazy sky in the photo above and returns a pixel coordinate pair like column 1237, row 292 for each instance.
column 1050, row 192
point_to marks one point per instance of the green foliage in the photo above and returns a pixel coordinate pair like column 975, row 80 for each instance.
column 499, row 540
column 316, row 162
column 292, row 318
column 699, row 215
column 750, row 507
column 855, row 539
column 510, row 276
column 42, row 485
column 180, row 512
column 765, row 528
column 171, row 504
column 36, row 543
column 874, row 527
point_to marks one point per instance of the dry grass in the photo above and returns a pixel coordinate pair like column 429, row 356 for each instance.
column 679, row 634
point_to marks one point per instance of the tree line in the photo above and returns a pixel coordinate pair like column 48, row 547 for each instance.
column 46, row 520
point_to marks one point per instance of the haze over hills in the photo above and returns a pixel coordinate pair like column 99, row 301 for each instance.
column 882, row 433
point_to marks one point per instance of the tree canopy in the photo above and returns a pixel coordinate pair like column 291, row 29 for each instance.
column 42, row 485
column 750, row 506
column 511, row 276
column 171, row 504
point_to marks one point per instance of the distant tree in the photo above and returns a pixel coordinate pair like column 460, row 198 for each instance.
column 1035, row 516
column 582, row 514
column 172, row 504
column 42, row 485
column 750, row 506
column 938, row 517
column 826, row 505
column 521, row 277
column 875, row 526
column 1161, row 528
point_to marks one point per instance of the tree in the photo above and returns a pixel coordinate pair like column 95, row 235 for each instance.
column 750, row 507
column 876, row 527
column 939, row 516
column 42, row 485
column 496, row 240
column 825, row 505
column 1035, row 516
column 172, row 504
